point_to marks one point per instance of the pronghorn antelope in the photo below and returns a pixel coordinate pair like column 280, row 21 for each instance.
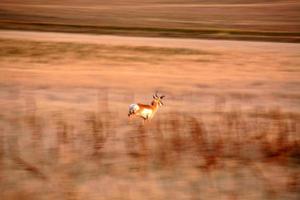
column 146, row 111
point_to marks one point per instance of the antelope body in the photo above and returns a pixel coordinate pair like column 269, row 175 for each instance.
column 146, row 111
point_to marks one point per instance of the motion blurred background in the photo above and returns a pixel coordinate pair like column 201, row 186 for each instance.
column 230, row 125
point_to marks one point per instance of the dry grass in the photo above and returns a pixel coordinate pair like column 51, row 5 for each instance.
column 226, row 156
column 239, row 20
column 64, row 132
column 30, row 48
column 47, row 52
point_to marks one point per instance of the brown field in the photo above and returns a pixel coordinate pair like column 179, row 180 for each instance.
column 229, row 128
column 268, row 20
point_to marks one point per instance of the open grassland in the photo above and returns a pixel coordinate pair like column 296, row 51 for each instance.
column 95, row 155
column 276, row 20
column 229, row 128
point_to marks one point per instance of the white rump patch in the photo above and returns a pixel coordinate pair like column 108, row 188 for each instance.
column 133, row 108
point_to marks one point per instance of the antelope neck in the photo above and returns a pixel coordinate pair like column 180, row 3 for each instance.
column 155, row 105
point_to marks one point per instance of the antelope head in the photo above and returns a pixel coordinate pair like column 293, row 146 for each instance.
column 157, row 99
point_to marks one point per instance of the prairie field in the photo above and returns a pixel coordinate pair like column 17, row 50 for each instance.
column 264, row 20
column 229, row 127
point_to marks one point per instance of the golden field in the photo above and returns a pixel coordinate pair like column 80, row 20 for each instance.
column 229, row 128
column 264, row 20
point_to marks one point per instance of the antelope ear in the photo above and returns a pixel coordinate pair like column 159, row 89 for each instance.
column 162, row 96
column 154, row 97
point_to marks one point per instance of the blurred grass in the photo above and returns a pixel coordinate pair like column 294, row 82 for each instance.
column 55, row 51
column 237, row 20
column 41, row 152
column 274, row 36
